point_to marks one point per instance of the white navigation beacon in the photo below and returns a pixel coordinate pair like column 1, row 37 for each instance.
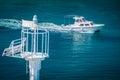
column 33, row 46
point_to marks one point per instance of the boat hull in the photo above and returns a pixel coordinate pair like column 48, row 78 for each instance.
column 84, row 29
column 91, row 29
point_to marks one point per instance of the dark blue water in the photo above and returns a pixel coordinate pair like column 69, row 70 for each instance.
column 73, row 56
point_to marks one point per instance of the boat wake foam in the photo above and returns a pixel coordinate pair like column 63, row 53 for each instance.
column 17, row 24
column 10, row 23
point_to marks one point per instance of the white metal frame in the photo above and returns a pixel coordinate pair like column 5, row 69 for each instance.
column 33, row 47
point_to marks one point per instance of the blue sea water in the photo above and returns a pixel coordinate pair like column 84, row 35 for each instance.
column 73, row 56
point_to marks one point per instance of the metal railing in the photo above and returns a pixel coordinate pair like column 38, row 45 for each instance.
column 15, row 47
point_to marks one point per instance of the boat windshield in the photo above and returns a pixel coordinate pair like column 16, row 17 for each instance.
column 83, row 19
column 78, row 20
column 91, row 23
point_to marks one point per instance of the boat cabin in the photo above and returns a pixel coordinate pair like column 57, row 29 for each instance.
column 81, row 21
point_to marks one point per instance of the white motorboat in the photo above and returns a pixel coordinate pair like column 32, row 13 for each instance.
column 82, row 25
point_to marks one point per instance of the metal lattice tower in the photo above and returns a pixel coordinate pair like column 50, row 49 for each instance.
column 33, row 46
